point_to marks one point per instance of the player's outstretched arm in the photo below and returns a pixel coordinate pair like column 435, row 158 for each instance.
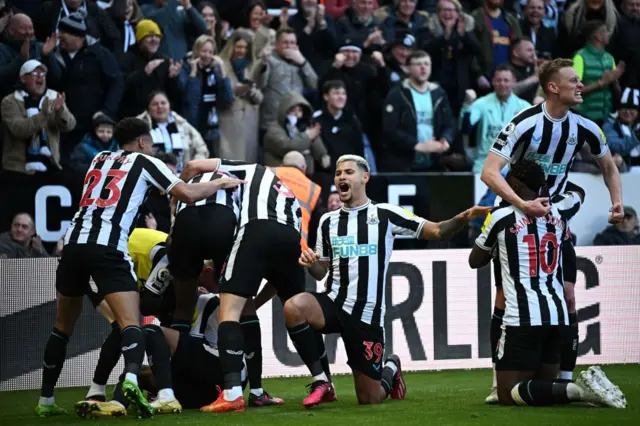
column 611, row 178
column 191, row 192
column 448, row 228
column 195, row 167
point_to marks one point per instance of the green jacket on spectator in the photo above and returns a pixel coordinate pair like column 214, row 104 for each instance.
column 590, row 63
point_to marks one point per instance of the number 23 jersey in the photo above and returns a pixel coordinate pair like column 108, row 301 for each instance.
column 115, row 186
column 529, row 254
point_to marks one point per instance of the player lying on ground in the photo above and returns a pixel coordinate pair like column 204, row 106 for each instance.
column 536, row 312
column 95, row 246
column 185, row 361
column 266, row 246
column 552, row 133
column 148, row 253
column 354, row 246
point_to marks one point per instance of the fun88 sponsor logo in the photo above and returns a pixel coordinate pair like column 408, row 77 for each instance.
column 545, row 161
column 347, row 247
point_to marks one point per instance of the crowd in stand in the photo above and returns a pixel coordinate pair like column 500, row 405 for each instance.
column 412, row 85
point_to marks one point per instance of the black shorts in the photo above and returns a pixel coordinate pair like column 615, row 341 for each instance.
column 525, row 348
column 363, row 342
column 111, row 270
column 200, row 233
column 264, row 249
column 195, row 372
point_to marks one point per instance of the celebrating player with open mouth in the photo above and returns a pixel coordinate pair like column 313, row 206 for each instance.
column 354, row 246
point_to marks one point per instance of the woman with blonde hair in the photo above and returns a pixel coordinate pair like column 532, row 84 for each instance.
column 207, row 90
column 239, row 123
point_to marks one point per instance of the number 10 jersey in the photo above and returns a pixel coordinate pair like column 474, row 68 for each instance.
column 115, row 186
column 530, row 257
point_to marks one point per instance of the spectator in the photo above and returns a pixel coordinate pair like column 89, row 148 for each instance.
column 239, row 123
column 316, row 35
column 571, row 35
column 88, row 75
column 340, row 129
column 453, row 48
column 337, row 8
column 543, row 38
column 216, row 27
column 525, row 68
column 403, row 17
column 361, row 26
column 334, row 203
column 621, row 46
column 293, row 130
column 285, row 70
column 125, row 14
column 624, row 233
column 100, row 139
column 17, row 47
column 364, row 84
column 597, row 70
column 207, row 91
column 147, row 70
column 171, row 132
column 417, row 120
column 33, row 118
column 21, row 241
column 395, row 61
column 176, row 24
column 492, row 112
column 98, row 23
column 619, row 131
column 496, row 29
column 255, row 21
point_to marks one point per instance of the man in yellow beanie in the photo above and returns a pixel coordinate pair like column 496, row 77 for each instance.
column 147, row 70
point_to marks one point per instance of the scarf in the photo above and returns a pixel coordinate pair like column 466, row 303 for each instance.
column 38, row 151
column 208, row 112
column 166, row 138
column 239, row 67
column 129, row 36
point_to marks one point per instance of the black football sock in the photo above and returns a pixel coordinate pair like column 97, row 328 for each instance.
column 540, row 393
column 132, row 350
column 569, row 351
column 322, row 351
column 230, row 344
column 181, row 325
column 54, row 354
column 387, row 380
column 159, row 356
column 118, row 395
column 304, row 339
column 495, row 331
column 252, row 349
column 109, row 356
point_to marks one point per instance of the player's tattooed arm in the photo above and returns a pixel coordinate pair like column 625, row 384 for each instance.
column 448, row 228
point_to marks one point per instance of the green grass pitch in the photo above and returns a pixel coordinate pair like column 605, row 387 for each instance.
column 433, row 398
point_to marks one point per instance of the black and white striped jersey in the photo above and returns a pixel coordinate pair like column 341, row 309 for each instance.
column 206, row 323
column 263, row 196
column 226, row 197
column 115, row 186
column 534, row 135
column 358, row 243
column 529, row 253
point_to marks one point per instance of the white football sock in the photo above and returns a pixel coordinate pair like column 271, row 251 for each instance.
column 96, row 389
column 495, row 378
column 322, row 377
column 132, row 378
column 566, row 375
column 233, row 393
column 166, row 394
column 392, row 365
column 47, row 400
column 257, row 392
